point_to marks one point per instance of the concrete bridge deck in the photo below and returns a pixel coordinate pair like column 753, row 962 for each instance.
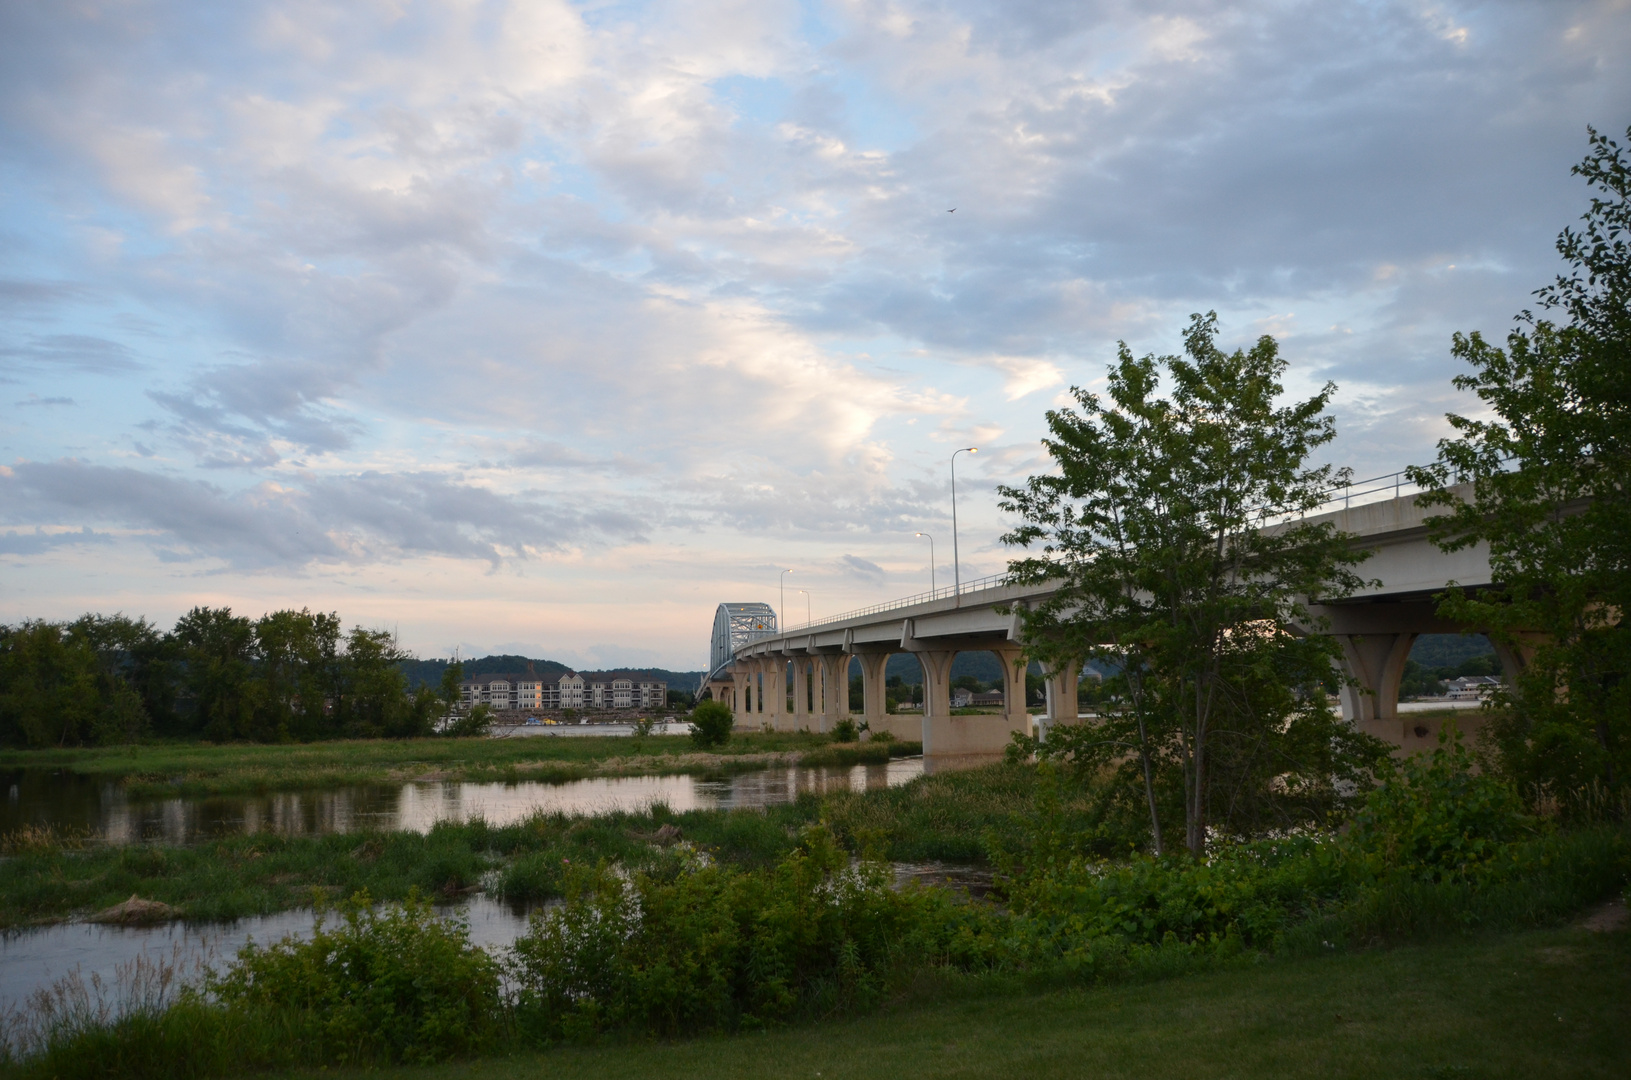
column 1375, row 629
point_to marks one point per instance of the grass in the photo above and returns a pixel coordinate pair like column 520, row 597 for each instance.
column 50, row 878
column 1551, row 1003
column 157, row 770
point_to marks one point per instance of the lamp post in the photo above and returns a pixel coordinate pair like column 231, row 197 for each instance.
column 930, row 539
column 956, row 563
column 808, row 618
column 781, row 581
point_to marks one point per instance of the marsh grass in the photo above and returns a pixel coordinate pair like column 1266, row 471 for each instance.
column 162, row 770
column 1329, row 989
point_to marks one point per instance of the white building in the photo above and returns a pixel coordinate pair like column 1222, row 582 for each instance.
column 1471, row 687
column 571, row 691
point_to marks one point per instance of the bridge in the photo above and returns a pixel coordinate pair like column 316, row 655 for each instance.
column 1375, row 629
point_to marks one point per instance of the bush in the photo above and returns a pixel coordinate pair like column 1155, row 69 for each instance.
column 714, row 948
column 1434, row 819
column 399, row 984
column 845, row 731
column 711, row 724
column 470, row 724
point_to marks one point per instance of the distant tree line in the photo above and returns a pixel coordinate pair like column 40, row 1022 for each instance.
column 287, row 676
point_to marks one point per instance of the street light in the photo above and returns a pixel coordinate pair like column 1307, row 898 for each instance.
column 781, row 580
column 808, row 618
column 956, row 564
column 930, row 539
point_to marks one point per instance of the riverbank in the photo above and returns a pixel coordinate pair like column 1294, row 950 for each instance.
column 1549, row 1003
column 157, row 770
column 48, row 877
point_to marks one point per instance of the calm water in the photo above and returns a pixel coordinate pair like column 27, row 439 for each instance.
column 45, row 797
column 33, row 959
column 36, row 958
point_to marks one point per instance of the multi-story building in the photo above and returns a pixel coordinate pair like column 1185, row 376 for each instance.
column 570, row 691
column 493, row 691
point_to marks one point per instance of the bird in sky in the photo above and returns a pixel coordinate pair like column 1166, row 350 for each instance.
column 953, row 210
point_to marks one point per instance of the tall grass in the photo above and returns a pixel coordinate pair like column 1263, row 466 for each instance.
column 52, row 875
column 152, row 770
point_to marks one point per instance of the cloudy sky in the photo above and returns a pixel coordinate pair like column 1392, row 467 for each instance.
column 546, row 327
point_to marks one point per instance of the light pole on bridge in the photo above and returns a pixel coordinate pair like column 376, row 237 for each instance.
column 956, row 564
column 781, row 612
column 930, row 539
column 808, row 618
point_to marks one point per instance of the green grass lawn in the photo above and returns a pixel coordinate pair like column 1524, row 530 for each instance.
column 1553, row 1003
column 167, row 769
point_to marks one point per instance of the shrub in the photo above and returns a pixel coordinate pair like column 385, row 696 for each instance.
column 398, row 984
column 845, row 731
column 716, row 948
column 1434, row 819
column 471, row 724
column 711, row 723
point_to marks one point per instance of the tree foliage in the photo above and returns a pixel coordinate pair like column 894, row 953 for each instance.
column 711, row 723
column 1170, row 530
column 1548, row 472
column 219, row 676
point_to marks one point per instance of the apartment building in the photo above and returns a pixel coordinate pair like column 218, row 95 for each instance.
column 570, row 691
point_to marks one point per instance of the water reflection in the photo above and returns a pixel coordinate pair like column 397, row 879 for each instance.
column 64, row 800
column 33, row 959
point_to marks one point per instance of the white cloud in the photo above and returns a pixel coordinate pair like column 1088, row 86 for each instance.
column 429, row 281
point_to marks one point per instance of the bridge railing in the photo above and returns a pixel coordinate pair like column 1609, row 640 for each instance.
column 990, row 581
column 1391, row 485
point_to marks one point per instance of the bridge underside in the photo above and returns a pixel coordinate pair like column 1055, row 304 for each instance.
column 802, row 682
column 1374, row 630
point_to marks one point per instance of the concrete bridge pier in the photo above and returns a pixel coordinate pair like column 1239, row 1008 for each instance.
column 834, row 688
column 1375, row 641
column 1376, row 663
column 801, row 692
column 776, row 713
column 1062, row 681
column 943, row 733
column 1016, row 716
column 874, row 709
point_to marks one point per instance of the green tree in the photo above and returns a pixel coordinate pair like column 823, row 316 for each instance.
column 1549, row 496
column 372, row 700
column 48, row 686
column 1170, row 530
column 452, row 691
column 219, row 690
column 297, row 661
column 131, row 670
column 711, row 723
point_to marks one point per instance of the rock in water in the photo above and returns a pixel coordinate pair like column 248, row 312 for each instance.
column 136, row 912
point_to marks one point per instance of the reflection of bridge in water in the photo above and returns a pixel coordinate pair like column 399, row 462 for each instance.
column 753, row 667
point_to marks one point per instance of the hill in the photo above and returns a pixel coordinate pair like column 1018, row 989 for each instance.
column 429, row 672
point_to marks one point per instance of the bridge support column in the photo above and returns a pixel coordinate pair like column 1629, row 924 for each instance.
column 1062, row 681
column 834, row 689
column 801, row 693
column 1376, row 663
column 739, row 699
column 874, row 711
column 1016, row 711
column 776, row 693
column 943, row 734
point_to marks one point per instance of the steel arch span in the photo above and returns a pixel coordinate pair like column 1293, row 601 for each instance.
column 734, row 626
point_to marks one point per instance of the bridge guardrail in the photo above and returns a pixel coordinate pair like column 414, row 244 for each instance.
column 1391, row 485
